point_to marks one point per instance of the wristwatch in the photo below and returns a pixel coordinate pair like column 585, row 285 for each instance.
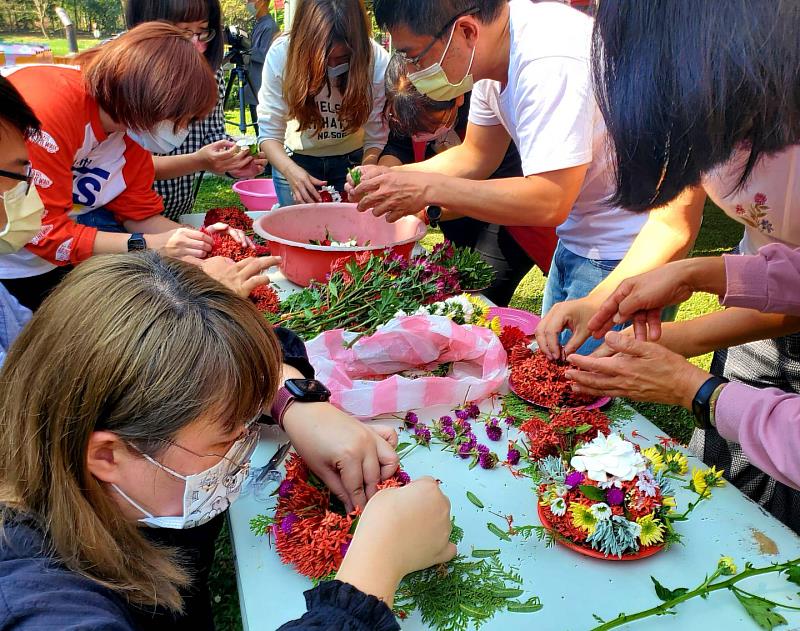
column 434, row 215
column 701, row 405
column 302, row 390
column 136, row 242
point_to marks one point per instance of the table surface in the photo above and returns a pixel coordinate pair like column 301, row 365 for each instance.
column 728, row 524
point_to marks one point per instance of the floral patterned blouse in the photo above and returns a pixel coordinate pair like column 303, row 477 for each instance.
column 769, row 203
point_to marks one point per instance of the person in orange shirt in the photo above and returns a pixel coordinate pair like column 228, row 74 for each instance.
column 91, row 160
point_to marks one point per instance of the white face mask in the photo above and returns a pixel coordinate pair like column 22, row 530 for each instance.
column 208, row 493
column 338, row 71
column 433, row 82
column 440, row 133
column 161, row 139
column 23, row 217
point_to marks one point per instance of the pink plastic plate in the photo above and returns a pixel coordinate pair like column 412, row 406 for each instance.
column 595, row 405
column 525, row 321
column 591, row 552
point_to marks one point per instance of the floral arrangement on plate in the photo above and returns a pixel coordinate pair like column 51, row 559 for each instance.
column 312, row 532
column 609, row 499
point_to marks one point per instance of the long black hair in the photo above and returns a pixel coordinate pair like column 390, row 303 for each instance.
column 138, row 11
column 683, row 83
column 15, row 112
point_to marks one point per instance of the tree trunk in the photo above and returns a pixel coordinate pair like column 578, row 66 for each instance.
column 41, row 7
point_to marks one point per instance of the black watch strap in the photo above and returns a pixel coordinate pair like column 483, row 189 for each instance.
column 136, row 242
column 701, row 404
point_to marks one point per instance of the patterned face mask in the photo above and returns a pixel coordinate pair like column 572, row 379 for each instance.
column 208, row 493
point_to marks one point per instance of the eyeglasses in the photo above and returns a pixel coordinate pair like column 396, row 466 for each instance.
column 203, row 36
column 414, row 61
column 26, row 177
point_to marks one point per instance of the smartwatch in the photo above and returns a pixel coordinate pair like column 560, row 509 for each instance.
column 302, row 390
column 136, row 242
column 701, row 405
column 434, row 215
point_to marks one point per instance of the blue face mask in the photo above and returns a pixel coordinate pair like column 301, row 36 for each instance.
column 338, row 71
column 161, row 139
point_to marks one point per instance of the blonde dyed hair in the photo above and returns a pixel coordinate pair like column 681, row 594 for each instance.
column 141, row 346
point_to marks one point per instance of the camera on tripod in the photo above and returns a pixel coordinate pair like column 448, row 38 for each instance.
column 238, row 55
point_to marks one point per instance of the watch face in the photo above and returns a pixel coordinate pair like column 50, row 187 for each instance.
column 136, row 243
column 309, row 390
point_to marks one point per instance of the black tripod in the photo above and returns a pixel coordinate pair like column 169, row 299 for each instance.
column 240, row 76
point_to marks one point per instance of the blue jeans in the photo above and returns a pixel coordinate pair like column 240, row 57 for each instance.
column 330, row 169
column 101, row 219
column 572, row 276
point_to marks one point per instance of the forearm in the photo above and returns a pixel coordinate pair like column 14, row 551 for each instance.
column 170, row 167
column 459, row 162
column 152, row 225
column 668, row 235
column 532, row 201
column 724, row 329
column 110, row 243
column 365, row 573
column 276, row 155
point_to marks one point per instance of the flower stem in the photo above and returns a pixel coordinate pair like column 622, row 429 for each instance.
column 703, row 590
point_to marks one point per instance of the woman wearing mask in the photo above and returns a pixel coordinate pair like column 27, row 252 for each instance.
column 321, row 102
column 91, row 161
column 207, row 147
column 156, row 430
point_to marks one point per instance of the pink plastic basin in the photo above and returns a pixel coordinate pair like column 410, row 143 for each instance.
column 256, row 194
column 289, row 230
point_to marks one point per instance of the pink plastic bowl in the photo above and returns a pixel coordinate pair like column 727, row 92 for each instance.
column 256, row 194
column 289, row 230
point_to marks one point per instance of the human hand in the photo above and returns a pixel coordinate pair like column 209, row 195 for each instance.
column 223, row 155
column 180, row 243
column 392, row 193
column 348, row 456
column 381, row 551
column 642, row 371
column 242, row 277
column 254, row 169
column 237, row 235
column 640, row 299
column 570, row 314
column 304, row 187
column 365, row 171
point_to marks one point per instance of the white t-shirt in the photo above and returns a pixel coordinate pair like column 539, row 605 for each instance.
column 331, row 140
column 769, row 203
column 549, row 110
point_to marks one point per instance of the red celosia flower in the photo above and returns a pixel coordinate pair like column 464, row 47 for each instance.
column 511, row 336
column 225, row 245
column 265, row 299
column 234, row 217
column 542, row 381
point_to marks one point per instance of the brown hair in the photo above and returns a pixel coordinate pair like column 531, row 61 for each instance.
column 317, row 26
column 141, row 346
column 150, row 74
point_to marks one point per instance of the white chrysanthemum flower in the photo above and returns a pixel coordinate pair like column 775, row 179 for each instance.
column 558, row 506
column 608, row 459
column 600, row 511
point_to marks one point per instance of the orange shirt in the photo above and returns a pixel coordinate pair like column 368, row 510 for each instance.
column 77, row 168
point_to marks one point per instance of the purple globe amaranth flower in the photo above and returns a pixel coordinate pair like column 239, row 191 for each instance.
column 615, row 496
column 449, row 433
column 462, row 415
column 287, row 522
column 465, row 450
column 402, row 477
column 470, row 436
column 446, row 421
column 513, row 456
column 574, row 479
column 509, row 420
column 285, row 488
column 487, row 461
column 422, row 434
column 465, row 426
column 411, row 419
column 344, row 548
column 482, row 449
column 474, row 411
column 493, row 432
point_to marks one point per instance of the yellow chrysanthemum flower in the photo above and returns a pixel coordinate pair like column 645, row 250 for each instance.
column 668, row 501
column 653, row 454
column 676, row 462
column 582, row 517
column 726, row 566
column 652, row 530
column 481, row 307
column 703, row 480
column 495, row 325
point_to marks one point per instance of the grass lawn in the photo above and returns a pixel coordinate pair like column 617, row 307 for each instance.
column 718, row 234
column 57, row 44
